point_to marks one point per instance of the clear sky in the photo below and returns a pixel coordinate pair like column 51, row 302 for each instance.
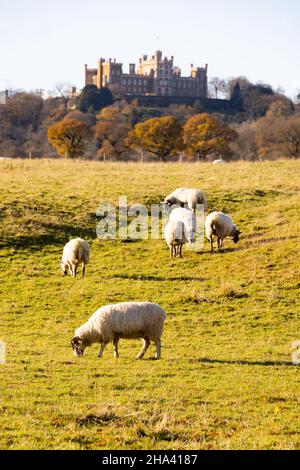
column 44, row 42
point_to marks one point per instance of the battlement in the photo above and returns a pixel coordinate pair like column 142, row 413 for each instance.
column 155, row 75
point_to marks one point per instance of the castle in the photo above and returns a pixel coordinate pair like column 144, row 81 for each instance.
column 154, row 76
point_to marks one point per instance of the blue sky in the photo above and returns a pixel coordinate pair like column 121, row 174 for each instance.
column 45, row 42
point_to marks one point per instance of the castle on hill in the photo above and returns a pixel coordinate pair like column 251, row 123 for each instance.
column 154, row 76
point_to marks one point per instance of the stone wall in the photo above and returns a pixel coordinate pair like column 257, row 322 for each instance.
column 208, row 104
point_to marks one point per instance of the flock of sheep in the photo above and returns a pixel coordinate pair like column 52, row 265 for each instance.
column 145, row 320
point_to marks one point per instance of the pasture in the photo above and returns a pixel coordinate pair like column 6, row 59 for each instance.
column 225, row 380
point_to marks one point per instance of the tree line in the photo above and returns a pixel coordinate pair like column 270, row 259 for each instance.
column 264, row 125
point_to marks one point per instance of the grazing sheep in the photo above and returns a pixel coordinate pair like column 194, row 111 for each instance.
column 218, row 161
column 182, row 196
column 175, row 237
column 126, row 320
column 75, row 251
column 221, row 226
column 188, row 219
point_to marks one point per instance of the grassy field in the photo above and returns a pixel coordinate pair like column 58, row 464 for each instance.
column 225, row 380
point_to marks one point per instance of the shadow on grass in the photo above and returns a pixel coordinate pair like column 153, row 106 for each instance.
column 206, row 360
column 141, row 277
column 57, row 235
column 250, row 244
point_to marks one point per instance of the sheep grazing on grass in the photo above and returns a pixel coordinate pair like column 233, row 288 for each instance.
column 175, row 237
column 75, row 251
column 182, row 196
column 218, row 161
column 188, row 219
column 221, row 226
column 128, row 320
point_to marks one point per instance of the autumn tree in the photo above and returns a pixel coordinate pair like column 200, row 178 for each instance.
column 290, row 136
column 280, row 107
column 204, row 134
column 89, row 119
column 111, row 132
column 245, row 145
column 160, row 136
column 181, row 111
column 24, row 109
column 69, row 137
column 278, row 137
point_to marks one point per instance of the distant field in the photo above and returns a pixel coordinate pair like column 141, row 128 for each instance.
column 225, row 380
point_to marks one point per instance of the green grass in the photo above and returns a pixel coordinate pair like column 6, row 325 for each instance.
column 225, row 380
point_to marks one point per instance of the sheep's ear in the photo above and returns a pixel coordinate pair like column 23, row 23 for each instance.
column 239, row 232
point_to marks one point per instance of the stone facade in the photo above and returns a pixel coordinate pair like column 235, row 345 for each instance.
column 155, row 75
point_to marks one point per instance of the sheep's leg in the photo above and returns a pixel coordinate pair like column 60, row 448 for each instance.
column 115, row 343
column 180, row 251
column 211, row 245
column 75, row 269
column 101, row 349
column 146, row 344
column 219, row 244
column 158, row 349
column 83, row 269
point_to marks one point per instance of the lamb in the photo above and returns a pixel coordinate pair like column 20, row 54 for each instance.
column 175, row 237
column 126, row 320
column 182, row 196
column 75, row 251
column 221, row 226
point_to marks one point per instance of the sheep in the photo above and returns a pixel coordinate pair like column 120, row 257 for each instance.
column 218, row 161
column 75, row 251
column 188, row 219
column 128, row 320
column 182, row 196
column 175, row 237
column 221, row 226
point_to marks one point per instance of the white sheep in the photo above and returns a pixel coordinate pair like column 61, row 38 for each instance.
column 175, row 237
column 218, row 161
column 221, row 226
column 188, row 219
column 182, row 196
column 75, row 251
column 128, row 320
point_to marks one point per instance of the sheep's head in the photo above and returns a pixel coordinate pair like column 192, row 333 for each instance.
column 166, row 205
column 236, row 235
column 63, row 267
column 78, row 346
column 189, row 234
